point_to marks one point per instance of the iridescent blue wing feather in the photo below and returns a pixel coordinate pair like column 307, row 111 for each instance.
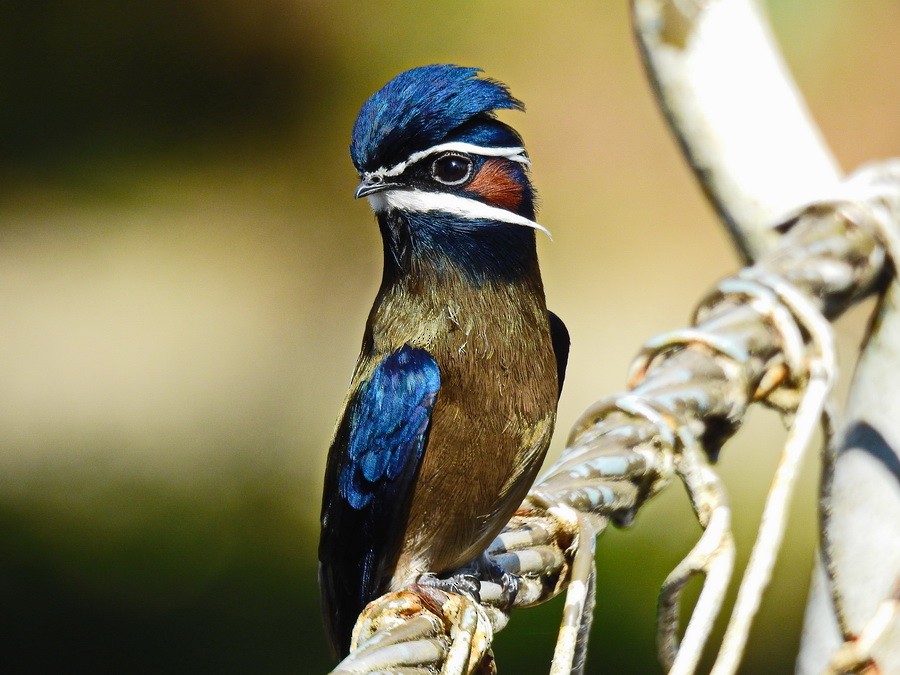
column 372, row 467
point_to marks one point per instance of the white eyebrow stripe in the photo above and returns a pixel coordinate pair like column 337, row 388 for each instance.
column 422, row 201
column 516, row 154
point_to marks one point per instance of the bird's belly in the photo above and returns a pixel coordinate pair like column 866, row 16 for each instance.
column 482, row 456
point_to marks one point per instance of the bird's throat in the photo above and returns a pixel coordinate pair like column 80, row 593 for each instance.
column 435, row 245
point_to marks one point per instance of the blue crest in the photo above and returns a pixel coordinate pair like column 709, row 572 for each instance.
column 420, row 108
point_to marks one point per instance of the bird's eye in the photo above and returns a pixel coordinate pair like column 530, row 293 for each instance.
column 451, row 169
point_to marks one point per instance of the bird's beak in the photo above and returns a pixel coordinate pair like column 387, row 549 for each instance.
column 371, row 184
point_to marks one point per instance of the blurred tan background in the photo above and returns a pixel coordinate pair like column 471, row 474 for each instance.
column 184, row 279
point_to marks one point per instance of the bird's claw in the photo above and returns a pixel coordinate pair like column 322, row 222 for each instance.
column 509, row 588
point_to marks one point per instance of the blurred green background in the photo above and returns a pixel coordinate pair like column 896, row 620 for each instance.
column 184, row 278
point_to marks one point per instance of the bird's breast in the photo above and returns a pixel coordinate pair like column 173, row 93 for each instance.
column 492, row 421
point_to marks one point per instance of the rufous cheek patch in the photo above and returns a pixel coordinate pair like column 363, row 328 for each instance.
column 496, row 185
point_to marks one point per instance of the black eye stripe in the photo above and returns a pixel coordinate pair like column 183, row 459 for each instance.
column 452, row 168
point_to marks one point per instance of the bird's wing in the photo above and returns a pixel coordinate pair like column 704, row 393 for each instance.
column 559, row 336
column 371, row 470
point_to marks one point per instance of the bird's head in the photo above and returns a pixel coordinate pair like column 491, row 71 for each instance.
column 428, row 147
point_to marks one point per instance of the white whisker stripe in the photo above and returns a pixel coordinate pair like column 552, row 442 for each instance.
column 514, row 154
column 423, row 201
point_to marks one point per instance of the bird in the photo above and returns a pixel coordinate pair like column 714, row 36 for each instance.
column 453, row 400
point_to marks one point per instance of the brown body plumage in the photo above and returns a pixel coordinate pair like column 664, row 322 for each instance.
column 494, row 414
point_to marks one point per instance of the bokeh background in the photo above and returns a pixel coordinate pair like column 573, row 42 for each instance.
column 184, row 278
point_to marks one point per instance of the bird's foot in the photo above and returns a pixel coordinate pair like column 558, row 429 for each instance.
column 460, row 583
column 482, row 579
column 504, row 586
